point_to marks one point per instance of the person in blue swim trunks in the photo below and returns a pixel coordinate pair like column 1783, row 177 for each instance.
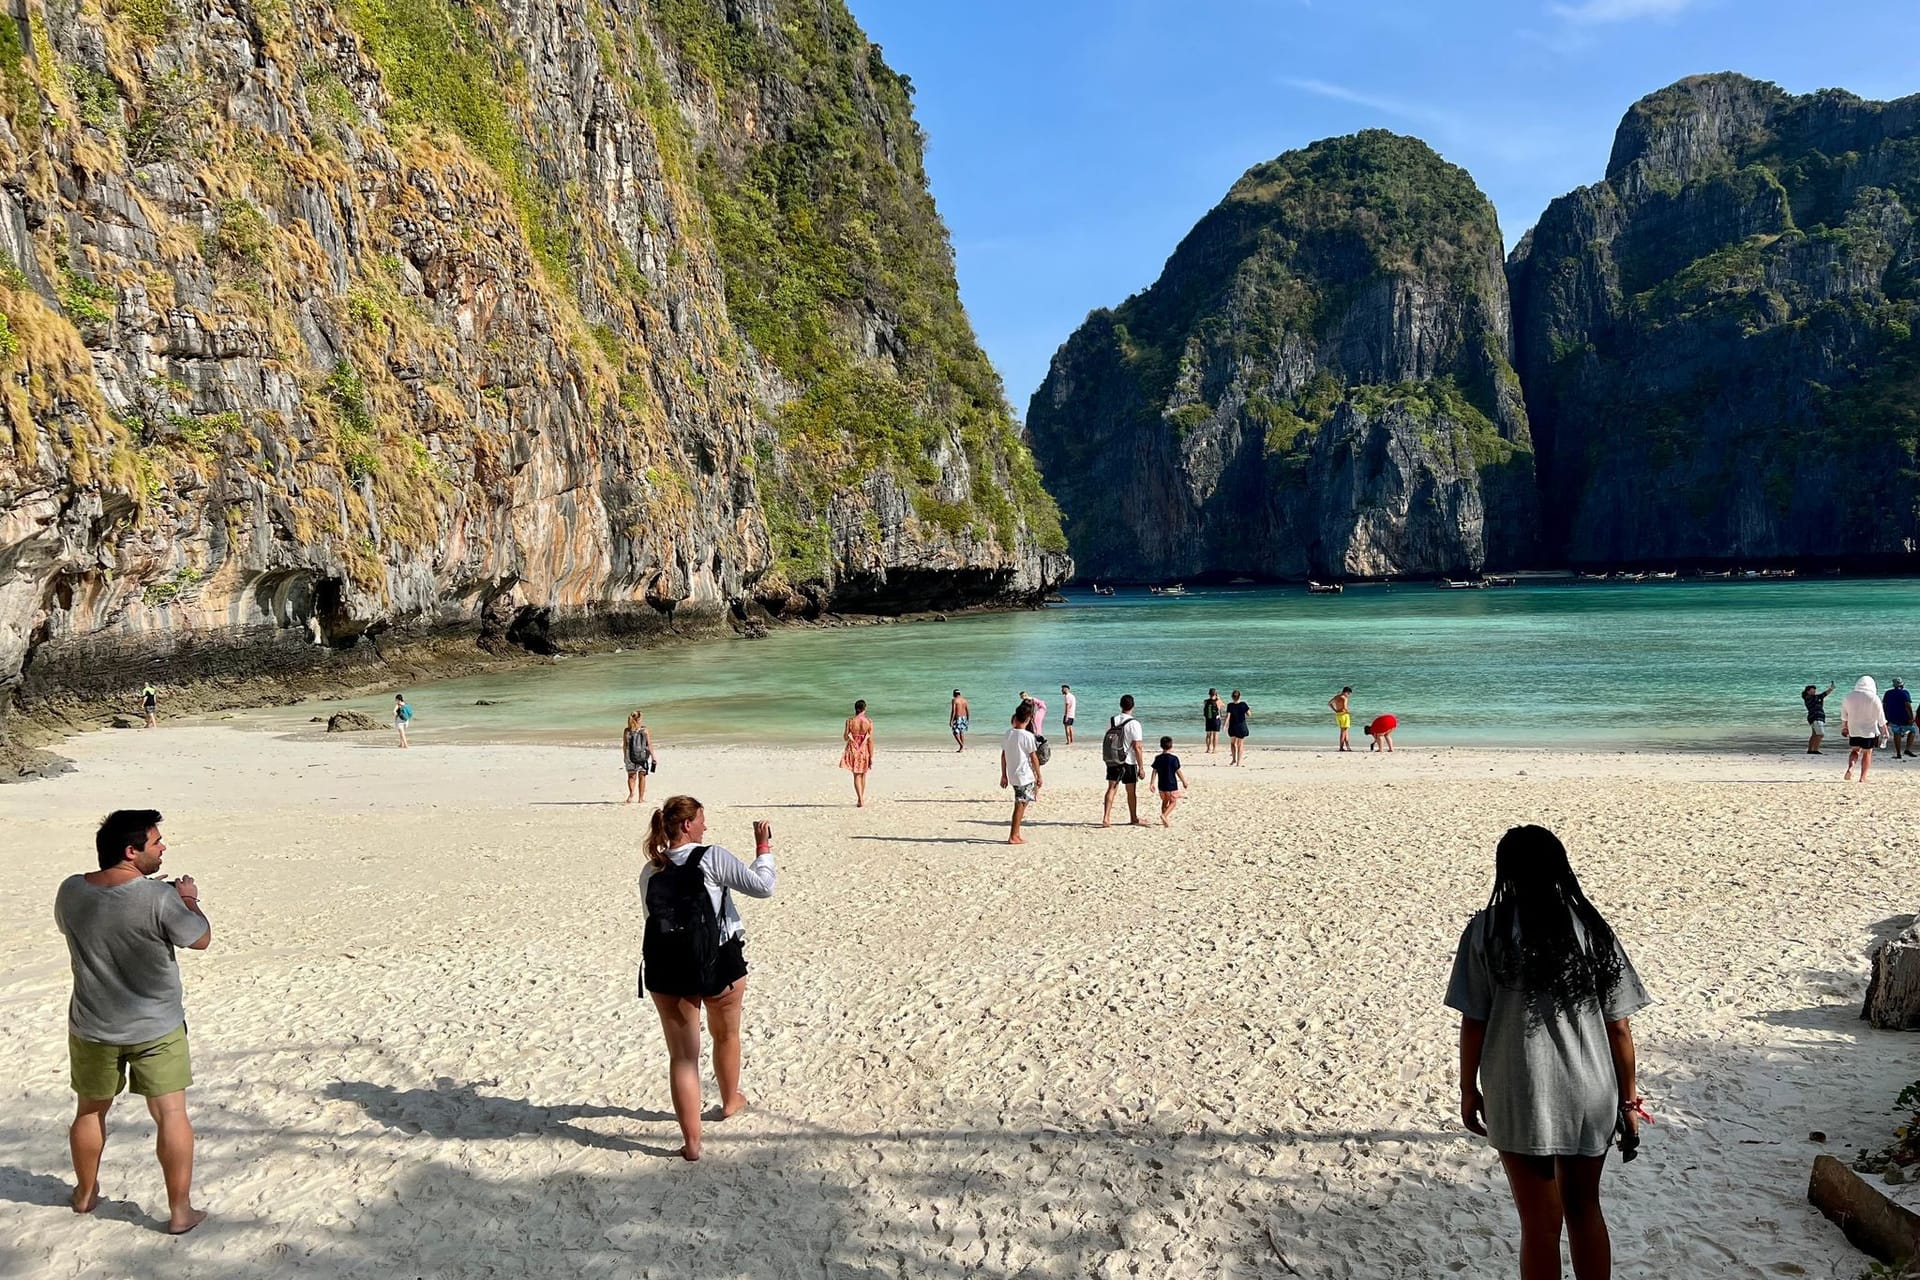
column 957, row 720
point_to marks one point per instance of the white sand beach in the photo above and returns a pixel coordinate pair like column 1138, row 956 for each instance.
column 1218, row 1050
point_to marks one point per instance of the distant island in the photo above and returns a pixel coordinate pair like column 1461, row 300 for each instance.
column 1705, row 359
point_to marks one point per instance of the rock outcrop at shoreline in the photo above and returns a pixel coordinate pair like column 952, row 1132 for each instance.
column 1319, row 383
column 337, row 322
column 1716, row 341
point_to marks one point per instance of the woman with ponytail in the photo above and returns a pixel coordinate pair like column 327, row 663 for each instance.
column 694, row 956
column 1544, row 990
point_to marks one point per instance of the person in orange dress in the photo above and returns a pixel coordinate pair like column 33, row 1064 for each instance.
column 858, row 756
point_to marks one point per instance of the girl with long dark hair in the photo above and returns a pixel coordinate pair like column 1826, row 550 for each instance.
column 683, row 979
column 1544, row 990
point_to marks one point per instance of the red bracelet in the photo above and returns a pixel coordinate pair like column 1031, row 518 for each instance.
column 766, row 847
column 1639, row 1107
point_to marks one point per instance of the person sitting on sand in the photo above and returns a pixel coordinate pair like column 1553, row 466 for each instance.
column 1020, row 768
column 1210, row 713
column 127, row 1021
column 1816, row 717
column 1168, row 780
column 1898, row 708
column 1861, row 723
column 1544, row 990
column 857, row 757
column 957, row 714
column 1379, row 731
column 1342, row 703
column 636, row 747
column 686, row 891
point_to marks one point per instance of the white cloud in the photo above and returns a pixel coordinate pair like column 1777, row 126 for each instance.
column 1372, row 102
column 1598, row 11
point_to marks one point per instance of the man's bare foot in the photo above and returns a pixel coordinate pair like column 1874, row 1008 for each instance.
column 180, row 1226
column 91, row 1203
column 689, row 1152
column 1139, row 822
column 1016, row 839
column 734, row 1108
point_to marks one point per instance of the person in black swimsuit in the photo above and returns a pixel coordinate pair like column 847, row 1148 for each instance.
column 1210, row 713
column 1237, row 713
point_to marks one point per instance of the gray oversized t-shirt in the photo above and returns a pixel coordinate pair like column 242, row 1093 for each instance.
column 120, row 938
column 1549, row 1087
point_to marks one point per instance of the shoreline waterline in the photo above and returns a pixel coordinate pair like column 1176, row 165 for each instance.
column 1671, row 666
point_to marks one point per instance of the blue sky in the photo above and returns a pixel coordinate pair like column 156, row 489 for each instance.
column 1073, row 142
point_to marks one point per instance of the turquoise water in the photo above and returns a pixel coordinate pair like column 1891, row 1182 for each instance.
column 1553, row 664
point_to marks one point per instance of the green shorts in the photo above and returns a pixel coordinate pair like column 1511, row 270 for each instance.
column 156, row 1067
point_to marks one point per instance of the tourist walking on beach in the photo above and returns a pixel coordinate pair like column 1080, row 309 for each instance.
column 1544, row 990
column 1898, row 707
column 1342, row 703
column 1861, row 723
column 1020, row 768
column 1211, row 712
column 693, row 954
column 857, row 758
column 1237, row 731
column 1168, row 780
column 1067, row 704
column 127, row 1021
column 1816, row 717
column 1123, row 751
column 1379, row 732
column 150, row 705
column 957, row 715
column 402, row 717
column 636, row 748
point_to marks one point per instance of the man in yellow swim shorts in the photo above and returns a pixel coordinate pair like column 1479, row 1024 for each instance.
column 127, row 1023
column 1342, row 716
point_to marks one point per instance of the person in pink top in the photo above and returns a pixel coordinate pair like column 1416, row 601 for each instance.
column 1039, row 714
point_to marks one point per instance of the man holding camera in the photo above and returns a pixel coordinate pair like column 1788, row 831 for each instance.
column 127, row 1020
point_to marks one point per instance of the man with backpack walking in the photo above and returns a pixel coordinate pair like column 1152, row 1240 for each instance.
column 1123, row 750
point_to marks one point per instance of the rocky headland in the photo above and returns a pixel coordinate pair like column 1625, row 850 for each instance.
column 1709, row 359
column 1716, row 341
column 331, row 328
column 1318, row 384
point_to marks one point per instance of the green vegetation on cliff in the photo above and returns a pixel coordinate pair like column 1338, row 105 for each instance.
column 1727, row 323
column 839, row 271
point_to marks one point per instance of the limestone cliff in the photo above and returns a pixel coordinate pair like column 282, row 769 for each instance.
column 1717, row 340
column 324, row 319
column 1318, row 384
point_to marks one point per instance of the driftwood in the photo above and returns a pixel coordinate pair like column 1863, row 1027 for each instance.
column 1875, row 1224
column 1893, row 990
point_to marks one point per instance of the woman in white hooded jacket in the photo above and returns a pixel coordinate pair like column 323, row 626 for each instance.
column 1862, row 721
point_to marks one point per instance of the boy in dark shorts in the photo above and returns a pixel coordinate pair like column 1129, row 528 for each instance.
column 1168, row 780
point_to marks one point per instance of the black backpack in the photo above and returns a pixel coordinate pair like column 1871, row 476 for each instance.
column 681, row 947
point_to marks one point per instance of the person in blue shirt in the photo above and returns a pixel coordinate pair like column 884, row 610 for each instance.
column 1168, row 780
column 1898, row 704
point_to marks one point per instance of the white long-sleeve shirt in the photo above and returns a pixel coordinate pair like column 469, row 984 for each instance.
column 722, row 870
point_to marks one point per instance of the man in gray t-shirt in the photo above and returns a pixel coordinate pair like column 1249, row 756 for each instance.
column 127, row 1020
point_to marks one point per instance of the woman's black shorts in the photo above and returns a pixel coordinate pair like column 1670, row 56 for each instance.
column 679, row 980
column 1868, row 743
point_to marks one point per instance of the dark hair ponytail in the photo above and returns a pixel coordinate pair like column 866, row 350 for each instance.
column 666, row 822
column 1543, row 937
